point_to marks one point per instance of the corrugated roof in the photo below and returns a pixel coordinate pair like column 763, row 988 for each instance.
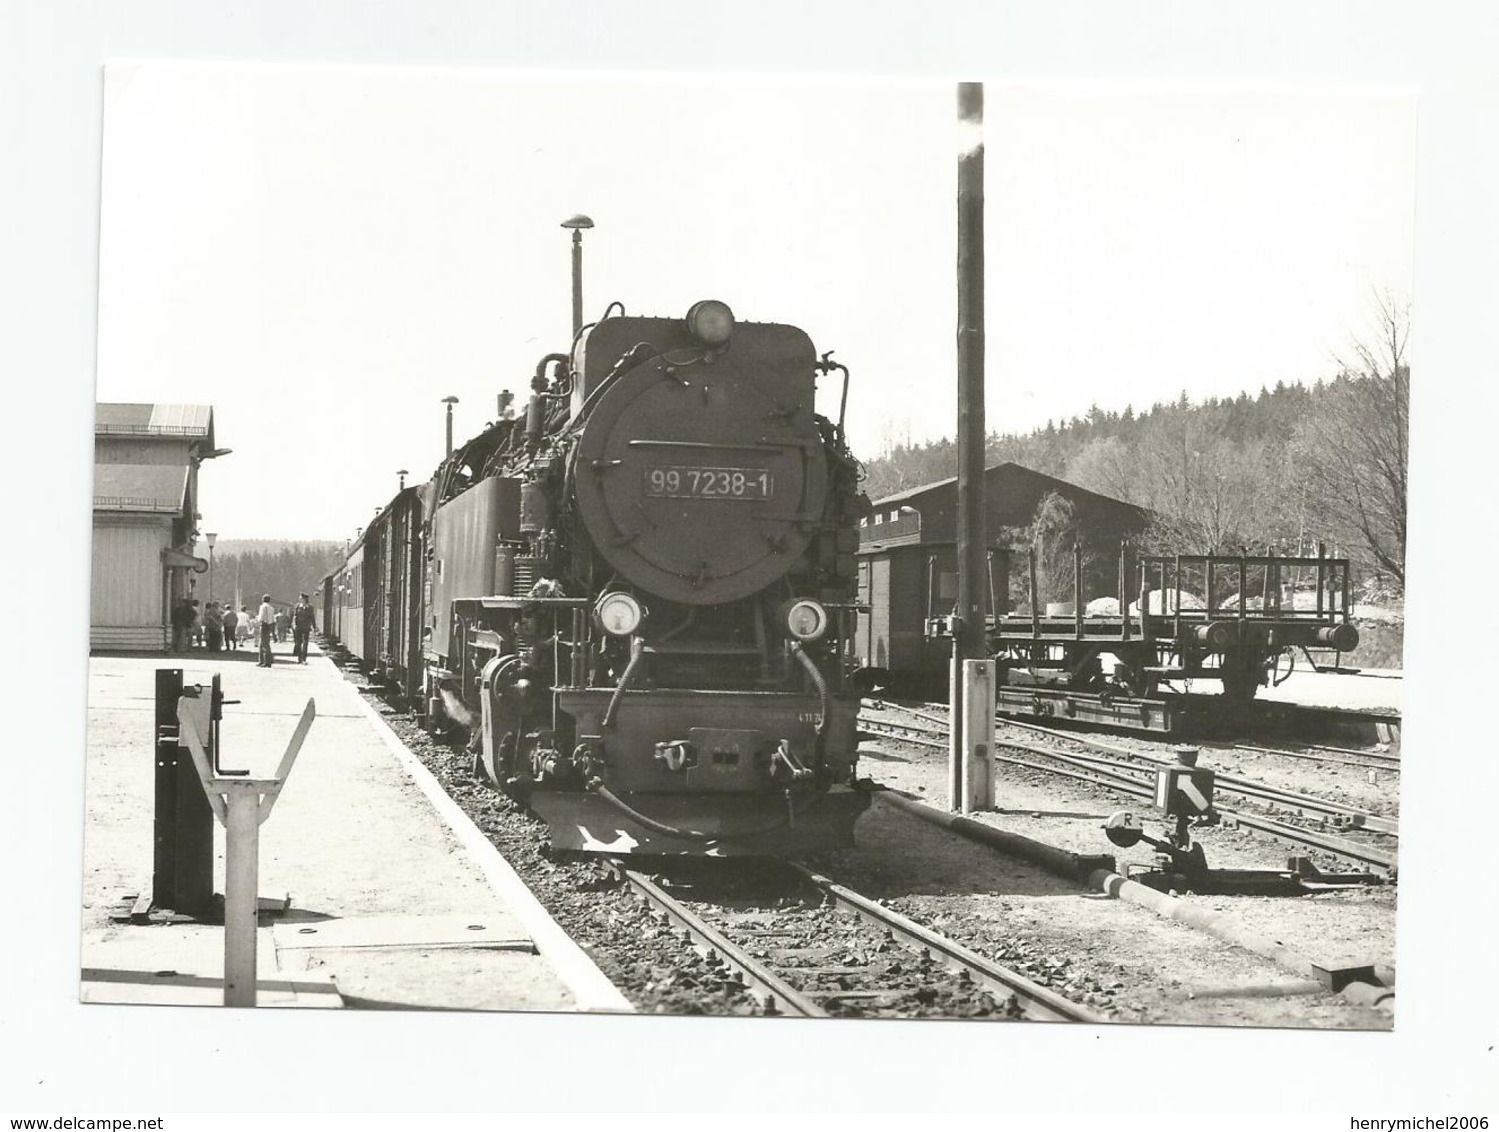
column 140, row 487
column 189, row 421
column 994, row 472
column 912, row 492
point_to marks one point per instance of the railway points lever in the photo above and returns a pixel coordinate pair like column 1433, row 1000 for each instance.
column 242, row 804
column 1184, row 791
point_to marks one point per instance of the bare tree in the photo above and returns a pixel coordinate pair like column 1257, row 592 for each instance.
column 1351, row 451
column 1205, row 491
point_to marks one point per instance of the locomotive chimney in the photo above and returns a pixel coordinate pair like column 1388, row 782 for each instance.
column 402, row 486
column 577, row 224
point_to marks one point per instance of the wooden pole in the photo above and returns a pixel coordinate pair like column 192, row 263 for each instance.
column 973, row 739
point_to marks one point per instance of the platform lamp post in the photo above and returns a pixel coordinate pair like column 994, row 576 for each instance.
column 210, row 538
column 577, row 224
column 450, row 401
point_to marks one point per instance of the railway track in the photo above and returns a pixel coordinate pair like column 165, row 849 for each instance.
column 1135, row 778
column 1334, row 813
column 1342, row 756
column 870, row 961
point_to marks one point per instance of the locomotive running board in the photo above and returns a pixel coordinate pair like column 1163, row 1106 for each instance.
column 585, row 822
column 1089, row 707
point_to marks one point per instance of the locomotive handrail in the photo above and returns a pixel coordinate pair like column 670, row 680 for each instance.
column 758, row 446
column 1221, row 613
column 1235, row 559
column 502, row 601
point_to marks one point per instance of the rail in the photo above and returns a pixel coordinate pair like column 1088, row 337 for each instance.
column 774, row 993
column 1034, row 1002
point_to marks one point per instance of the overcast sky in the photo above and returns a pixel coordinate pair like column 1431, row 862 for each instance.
column 324, row 253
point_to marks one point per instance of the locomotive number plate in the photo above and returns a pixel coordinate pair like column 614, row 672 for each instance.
column 709, row 483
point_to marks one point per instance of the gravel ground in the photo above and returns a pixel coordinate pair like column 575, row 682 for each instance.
column 1112, row 955
column 1120, row 959
column 1357, row 924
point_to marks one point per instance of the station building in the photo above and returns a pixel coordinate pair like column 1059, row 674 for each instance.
column 146, row 460
column 908, row 555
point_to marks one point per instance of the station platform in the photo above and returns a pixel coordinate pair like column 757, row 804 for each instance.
column 376, row 890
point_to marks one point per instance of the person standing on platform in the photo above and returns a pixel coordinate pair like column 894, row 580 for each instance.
column 283, row 623
column 213, row 626
column 266, row 615
column 231, row 628
column 195, row 625
column 182, row 620
column 302, row 625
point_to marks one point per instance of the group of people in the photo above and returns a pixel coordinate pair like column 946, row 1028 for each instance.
column 218, row 627
column 215, row 626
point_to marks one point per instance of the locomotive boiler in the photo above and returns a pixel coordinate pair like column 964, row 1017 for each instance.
column 640, row 592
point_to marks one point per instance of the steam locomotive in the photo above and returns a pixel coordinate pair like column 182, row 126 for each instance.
column 639, row 594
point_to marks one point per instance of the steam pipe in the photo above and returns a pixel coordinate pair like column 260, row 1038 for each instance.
column 637, row 651
column 825, row 364
column 822, row 692
column 539, row 381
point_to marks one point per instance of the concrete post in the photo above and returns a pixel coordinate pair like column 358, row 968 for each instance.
column 241, row 893
column 977, row 781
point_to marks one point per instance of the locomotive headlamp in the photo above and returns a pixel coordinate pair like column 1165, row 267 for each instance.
column 619, row 613
column 806, row 620
column 710, row 322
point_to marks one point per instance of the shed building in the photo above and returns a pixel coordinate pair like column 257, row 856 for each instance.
column 146, row 460
column 908, row 556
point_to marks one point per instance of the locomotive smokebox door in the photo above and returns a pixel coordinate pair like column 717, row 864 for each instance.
column 700, row 473
column 1184, row 790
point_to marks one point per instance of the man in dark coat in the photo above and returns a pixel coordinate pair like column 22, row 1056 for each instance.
column 302, row 625
column 182, row 623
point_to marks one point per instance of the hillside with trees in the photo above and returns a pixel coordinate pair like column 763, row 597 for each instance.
column 1280, row 470
column 269, row 566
